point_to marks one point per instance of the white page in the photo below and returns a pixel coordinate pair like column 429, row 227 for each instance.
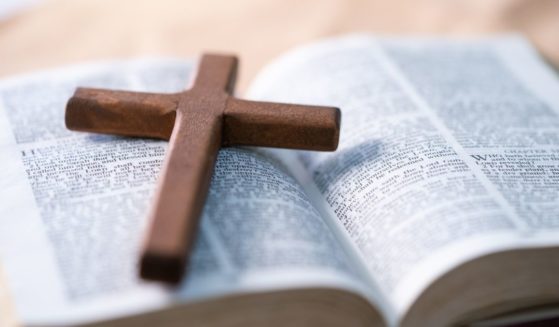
column 74, row 205
column 10, row 8
column 502, row 118
column 403, row 183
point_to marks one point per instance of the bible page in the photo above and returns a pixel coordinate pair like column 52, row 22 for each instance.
column 449, row 150
column 73, row 208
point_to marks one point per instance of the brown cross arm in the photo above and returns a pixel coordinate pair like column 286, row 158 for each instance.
column 122, row 112
column 281, row 125
column 245, row 122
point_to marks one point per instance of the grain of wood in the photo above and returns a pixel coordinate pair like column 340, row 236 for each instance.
column 197, row 122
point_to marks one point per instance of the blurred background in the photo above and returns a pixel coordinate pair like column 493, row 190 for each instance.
column 37, row 34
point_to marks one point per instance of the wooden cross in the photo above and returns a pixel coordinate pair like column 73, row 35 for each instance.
column 197, row 122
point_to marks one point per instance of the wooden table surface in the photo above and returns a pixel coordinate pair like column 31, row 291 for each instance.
column 59, row 32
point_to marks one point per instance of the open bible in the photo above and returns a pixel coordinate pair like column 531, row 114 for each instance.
column 440, row 207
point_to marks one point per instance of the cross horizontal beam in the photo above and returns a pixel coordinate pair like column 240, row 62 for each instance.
column 248, row 123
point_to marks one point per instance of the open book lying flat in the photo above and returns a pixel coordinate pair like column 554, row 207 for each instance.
column 440, row 207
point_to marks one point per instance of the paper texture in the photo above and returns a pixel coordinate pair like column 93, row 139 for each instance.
column 74, row 205
column 449, row 149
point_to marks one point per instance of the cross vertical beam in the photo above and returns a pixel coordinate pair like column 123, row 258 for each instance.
column 183, row 184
